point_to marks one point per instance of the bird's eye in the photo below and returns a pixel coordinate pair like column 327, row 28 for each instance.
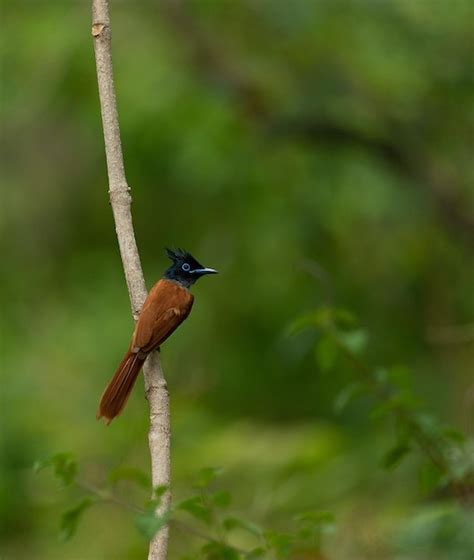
column 186, row 267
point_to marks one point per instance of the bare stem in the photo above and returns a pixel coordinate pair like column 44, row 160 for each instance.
column 120, row 200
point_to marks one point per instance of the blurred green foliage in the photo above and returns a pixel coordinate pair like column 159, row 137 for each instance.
column 316, row 152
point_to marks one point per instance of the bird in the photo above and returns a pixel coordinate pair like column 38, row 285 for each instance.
column 167, row 305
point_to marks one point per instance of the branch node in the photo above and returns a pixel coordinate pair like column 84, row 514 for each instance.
column 120, row 196
column 97, row 29
column 156, row 385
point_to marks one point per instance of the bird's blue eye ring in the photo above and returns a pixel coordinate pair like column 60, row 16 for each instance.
column 186, row 267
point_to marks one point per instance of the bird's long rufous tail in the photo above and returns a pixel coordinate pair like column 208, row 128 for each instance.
column 118, row 390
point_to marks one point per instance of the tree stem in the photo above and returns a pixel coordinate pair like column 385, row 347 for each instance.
column 120, row 200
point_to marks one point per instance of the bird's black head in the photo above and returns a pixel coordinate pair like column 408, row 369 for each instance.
column 185, row 268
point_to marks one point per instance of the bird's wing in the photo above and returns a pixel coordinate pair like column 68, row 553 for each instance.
column 165, row 308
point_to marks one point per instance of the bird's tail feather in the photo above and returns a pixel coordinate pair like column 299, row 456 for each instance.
column 118, row 390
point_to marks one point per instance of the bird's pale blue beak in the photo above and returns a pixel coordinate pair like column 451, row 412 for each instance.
column 203, row 271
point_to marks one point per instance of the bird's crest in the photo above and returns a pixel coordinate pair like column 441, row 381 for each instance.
column 178, row 255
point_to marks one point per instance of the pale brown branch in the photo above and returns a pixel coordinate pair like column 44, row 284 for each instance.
column 120, row 200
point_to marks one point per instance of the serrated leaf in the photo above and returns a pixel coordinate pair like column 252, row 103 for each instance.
column 395, row 455
column 131, row 474
column 218, row 551
column 349, row 393
column 232, row 523
column 71, row 517
column 326, row 352
column 221, row 499
column 196, row 507
column 355, row 341
column 206, row 476
column 149, row 523
column 64, row 467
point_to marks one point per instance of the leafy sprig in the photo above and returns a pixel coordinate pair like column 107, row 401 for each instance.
column 341, row 338
column 207, row 509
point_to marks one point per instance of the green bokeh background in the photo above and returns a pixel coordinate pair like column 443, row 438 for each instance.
column 312, row 151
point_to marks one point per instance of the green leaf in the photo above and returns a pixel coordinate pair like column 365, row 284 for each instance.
column 281, row 543
column 218, row 551
column 196, row 507
column 322, row 318
column 155, row 501
column 383, row 409
column 313, row 524
column 232, row 523
column 64, row 467
column 381, row 376
column 355, row 341
column 454, row 435
column 400, row 400
column 430, row 478
column 160, row 491
column 221, row 499
column 149, row 523
column 131, row 474
column 301, row 324
column 326, row 352
column 206, row 476
column 71, row 517
column 349, row 393
column 400, row 377
column 344, row 318
column 408, row 400
column 395, row 455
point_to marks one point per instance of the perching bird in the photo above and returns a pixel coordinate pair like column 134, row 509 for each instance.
column 166, row 307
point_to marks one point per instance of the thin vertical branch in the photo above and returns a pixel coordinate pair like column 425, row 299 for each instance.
column 120, row 200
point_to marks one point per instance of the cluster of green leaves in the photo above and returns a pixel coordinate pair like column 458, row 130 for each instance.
column 211, row 508
column 208, row 508
column 448, row 453
column 65, row 469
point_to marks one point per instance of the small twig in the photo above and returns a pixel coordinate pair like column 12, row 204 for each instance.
column 192, row 531
column 107, row 496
